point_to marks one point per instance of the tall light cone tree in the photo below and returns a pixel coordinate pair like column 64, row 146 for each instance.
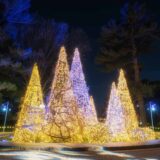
column 62, row 103
column 79, row 86
column 31, row 116
column 61, row 90
column 115, row 120
column 126, row 100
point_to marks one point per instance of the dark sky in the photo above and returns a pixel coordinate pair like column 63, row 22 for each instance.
column 91, row 17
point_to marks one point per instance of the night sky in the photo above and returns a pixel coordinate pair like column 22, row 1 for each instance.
column 91, row 17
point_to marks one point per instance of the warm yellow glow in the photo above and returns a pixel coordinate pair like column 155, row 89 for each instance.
column 121, row 121
column 142, row 134
column 134, row 132
column 31, row 115
column 64, row 121
column 126, row 100
column 95, row 133
column 61, row 90
column 157, row 134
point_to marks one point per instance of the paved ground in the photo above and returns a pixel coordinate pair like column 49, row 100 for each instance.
column 143, row 154
column 98, row 154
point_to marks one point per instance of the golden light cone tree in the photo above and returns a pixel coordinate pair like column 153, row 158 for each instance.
column 32, row 110
column 64, row 119
column 126, row 101
column 115, row 120
column 131, row 121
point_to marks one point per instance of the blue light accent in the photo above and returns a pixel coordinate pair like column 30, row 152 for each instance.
column 16, row 12
column 4, row 109
column 5, row 106
column 153, row 108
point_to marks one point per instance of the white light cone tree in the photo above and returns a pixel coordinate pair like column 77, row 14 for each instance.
column 115, row 120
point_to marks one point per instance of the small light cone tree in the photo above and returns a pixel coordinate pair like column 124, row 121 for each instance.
column 126, row 100
column 32, row 110
column 131, row 121
column 80, row 88
column 115, row 120
column 63, row 119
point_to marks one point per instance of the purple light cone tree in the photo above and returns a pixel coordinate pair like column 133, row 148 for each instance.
column 80, row 88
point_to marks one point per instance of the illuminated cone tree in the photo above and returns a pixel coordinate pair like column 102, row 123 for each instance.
column 121, row 118
column 80, row 88
column 32, row 110
column 131, row 122
column 61, row 90
column 115, row 120
column 126, row 100
column 62, row 104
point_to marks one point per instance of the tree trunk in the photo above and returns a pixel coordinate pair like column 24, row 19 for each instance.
column 139, row 95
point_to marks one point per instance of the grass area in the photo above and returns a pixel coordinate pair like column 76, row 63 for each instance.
column 6, row 136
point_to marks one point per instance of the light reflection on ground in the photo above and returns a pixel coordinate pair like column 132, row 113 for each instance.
column 37, row 155
column 58, row 155
column 91, row 154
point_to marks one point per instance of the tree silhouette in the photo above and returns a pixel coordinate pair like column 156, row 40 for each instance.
column 123, row 41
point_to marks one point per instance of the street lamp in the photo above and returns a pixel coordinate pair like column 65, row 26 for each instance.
column 5, row 109
column 152, row 108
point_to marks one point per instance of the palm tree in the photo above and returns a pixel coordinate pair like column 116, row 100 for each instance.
column 123, row 41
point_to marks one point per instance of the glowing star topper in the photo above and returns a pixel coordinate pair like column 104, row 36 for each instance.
column 32, row 111
column 79, row 87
